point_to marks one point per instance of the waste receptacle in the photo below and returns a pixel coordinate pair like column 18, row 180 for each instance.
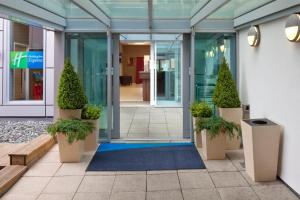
column 261, row 138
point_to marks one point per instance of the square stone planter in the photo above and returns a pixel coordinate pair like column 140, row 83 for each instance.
column 197, row 135
column 69, row 153
column 69, row 113
column 91, row 141
column 232, row 115
column 261, row 138
column 213, row 148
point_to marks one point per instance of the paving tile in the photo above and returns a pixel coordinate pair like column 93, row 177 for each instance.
column 128, row 196
column 253, row 183
column 72, row 169
column 43, row 169
column 92, row 196
column 63, row 185
column 50, row 157
column 96, row 184
column 100, row 173
column 191, row 170
column 238, row 164
column 219, row 165
column 55, row 197
column 164, row 195
column 195, row 180
column 130, row 172
column 130, row 183
column 54, row 148
column 162, row 172
column 201, row 194
column 29, row 185
column 237, row 193
column 162, row 182
column 228, row 179
column 19, row 196
column 274, row 192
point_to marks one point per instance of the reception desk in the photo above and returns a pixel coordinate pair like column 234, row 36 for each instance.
column 145, row 76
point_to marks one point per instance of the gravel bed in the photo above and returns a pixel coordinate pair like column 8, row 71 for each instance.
column 24, row 130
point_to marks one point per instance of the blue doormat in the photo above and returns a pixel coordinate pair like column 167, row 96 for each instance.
column 145, row 157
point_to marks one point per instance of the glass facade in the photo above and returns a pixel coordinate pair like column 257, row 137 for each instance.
column 210, row 48
column 26, row 63
column 88, row 54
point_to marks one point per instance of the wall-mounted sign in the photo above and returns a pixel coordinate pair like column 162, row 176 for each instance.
column 26, row 59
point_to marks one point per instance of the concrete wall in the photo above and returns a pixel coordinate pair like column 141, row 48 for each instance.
column 132, row 51
column 270, row 82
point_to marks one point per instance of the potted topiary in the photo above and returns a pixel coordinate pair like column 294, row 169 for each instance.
column 199, row 110
column 226, row 98
column 71, row 98
column 70, row 135
column 91, row 113
column 214, row 131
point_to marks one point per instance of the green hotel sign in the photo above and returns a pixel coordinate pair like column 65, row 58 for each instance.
column 18, row 60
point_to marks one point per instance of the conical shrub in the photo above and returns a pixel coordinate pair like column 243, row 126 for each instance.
column 70, row 91
column 225, row 94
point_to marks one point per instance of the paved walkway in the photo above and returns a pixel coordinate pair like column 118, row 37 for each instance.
column 223, row 180
column 5, row 149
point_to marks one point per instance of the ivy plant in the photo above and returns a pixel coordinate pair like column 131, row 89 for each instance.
column 201, row 109
column 90, row 111
column 70, row 91
column 225, row 94
column 73, row 129
column 217, row 125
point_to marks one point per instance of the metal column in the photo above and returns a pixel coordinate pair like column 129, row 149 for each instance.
column 109, row 85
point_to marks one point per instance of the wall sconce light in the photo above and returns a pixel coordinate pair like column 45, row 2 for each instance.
column 292, row 28
column 222, row 48
column 253, row 36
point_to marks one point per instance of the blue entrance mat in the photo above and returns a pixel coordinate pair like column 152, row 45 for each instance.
column 145, row 157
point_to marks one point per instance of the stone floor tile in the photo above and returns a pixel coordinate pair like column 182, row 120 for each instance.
column 201, row 194
column 100, row 173
column 130, row 172
column 19, row 196
column 92, row 196
column 275, row 192
column 43, row 169
column 54, row 148
column 162, row 182
column 219, row 166
column 72, row 169
column 237, row 193
column 239, row 164
column 30, row 185
column 56, row 197
column 164, row 195
column 96, row 184
column 228, row 179
column 162, row 172
column 195, row 180
column 128, row 196
column 50, row 157
column 253, row 183
column 63, row 185
column 130, row 183
column 191, row 170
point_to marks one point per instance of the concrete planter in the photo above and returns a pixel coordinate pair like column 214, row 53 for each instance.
column 91, row 141
column 70, row 113
column 197, row 135
column 213, row 148
column 232, row 115
column 69, row 153
column 261, row 139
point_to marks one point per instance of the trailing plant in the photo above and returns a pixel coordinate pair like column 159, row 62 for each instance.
column 90, row 111
column 73, row 129
column 201, row 109
column 70, row 91
column 225, row 94
column 217, row 125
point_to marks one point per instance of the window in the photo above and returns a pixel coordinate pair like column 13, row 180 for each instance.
column 25, row 63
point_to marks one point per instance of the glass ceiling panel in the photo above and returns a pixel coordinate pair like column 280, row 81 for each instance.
column 174, row 9
column 64, row 8
column 124, row 9
column 236, row 8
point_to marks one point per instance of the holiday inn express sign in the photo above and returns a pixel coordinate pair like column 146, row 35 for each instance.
column 26, row 59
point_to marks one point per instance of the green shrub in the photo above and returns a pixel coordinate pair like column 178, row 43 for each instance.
column 70, row 91
column 90, row 112
column 201, row 109
column 225, row 94
column 73, row 129
column 217, row 125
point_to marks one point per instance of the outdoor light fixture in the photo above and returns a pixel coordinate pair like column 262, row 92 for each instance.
column 222, row 48
column 292, row 28
column 253, row 36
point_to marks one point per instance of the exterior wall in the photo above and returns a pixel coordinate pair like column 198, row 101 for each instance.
column 269, row 81
column 26, row 108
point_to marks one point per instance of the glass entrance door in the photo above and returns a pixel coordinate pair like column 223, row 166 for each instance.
column 167, row 81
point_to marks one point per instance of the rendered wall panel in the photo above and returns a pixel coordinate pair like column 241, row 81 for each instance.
column 1, row 86
column 1, row 24
column 50, row 86
column 49, row 48
column 1, row 49
column 49, row 111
